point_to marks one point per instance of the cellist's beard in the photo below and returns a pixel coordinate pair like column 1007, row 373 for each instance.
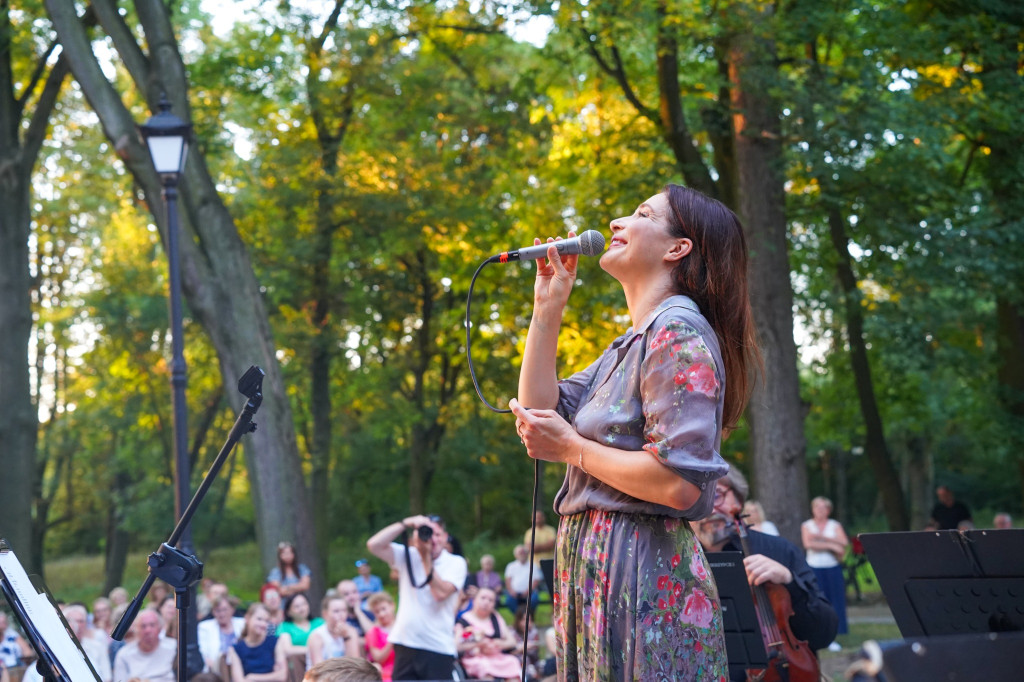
column 716, row 530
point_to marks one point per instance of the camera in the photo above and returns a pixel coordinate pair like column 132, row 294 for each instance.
column 425, row 533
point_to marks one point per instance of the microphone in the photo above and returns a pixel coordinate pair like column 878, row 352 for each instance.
column 590, row 243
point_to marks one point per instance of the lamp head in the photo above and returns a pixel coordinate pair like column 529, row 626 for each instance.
column 166, row 135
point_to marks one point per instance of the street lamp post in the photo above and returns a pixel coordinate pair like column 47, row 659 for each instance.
column 167, row 137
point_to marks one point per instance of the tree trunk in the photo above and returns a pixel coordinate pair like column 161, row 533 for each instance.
column 19, row 149
column 118, row 539
column 886, row 476
column 775, row 413
column 217, row 277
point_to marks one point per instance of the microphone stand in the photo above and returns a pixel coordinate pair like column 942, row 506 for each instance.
column 181, row 571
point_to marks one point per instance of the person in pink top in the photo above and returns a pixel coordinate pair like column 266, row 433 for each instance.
column 482, row 638
column 378, row 648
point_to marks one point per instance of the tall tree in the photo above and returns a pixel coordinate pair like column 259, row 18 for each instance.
column 29, row 91
column 217, row 277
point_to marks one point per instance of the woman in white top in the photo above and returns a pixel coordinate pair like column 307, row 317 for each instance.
column 335, row 638
column 825, row 542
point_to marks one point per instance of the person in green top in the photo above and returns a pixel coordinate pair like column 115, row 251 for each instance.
column 297, row 624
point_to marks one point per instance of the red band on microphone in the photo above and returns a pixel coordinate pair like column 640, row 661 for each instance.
column 503, row 258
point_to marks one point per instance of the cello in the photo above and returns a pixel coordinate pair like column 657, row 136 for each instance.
column 789, row 659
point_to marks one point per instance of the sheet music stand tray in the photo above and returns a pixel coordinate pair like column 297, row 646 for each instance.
column 744, row 643
column 950, row 582
column 61, row 658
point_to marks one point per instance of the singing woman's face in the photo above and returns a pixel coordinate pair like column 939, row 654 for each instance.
column 641, row 242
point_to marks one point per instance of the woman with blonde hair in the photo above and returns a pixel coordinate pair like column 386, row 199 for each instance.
column 826, row 542
column 756, row 520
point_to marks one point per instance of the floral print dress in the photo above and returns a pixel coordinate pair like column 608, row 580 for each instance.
column 634, row 598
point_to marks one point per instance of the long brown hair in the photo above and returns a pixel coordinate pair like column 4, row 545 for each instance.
column 714, row 275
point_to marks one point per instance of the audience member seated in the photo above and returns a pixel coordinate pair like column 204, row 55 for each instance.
column 548, row 671
column 297, row 624
column 335, row 638
column 169, row 614
column 117, row 597
column 482, row 638
column 116, row 614
column 97, row 652
column 358, row 617
column 377, row 646
column 469, row 591
column 218, row 634
column 289, row 576
column 1002, row 521
column 150, row 657
column 101, row 624
column 531, row 638
column 518, row 588
column 365, row 581
column 343, row 670
column 257, row 655
column 270, row 597
column 215, row 593
column 204, row 605
column 157, row 593
column 488, row 577
column 13, row 646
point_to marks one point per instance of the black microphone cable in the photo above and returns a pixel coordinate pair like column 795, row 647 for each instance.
column 536, row 472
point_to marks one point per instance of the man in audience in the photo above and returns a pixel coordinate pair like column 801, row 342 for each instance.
column 97, row 652
column 518, row 588
column 544, row 539
column 1002, row 521
column 949, row 512
column 429, row 578
column 366, row 581
column 149, row 657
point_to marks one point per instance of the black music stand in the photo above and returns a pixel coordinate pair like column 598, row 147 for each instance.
column 744, row 643
column 61, row 658
column 950, row 582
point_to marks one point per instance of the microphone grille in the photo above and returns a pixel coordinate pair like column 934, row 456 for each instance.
column 591, row 243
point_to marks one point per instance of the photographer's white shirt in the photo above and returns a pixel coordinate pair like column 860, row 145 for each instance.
column 423, row 622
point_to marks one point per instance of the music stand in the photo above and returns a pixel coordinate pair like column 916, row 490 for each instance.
column 547, row 567
column 61, row 658
column 744, row 643
column 951, row 582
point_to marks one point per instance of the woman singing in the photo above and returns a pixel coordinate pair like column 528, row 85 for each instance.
column 641, row 428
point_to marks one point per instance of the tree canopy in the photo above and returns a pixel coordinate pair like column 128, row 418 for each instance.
column 353, row 164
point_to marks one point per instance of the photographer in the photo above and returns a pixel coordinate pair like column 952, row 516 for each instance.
column 428, row 595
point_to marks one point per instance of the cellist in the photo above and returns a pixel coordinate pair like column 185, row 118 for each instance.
column 772, row 559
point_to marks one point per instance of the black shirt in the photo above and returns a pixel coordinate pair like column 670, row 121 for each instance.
column 949, row 518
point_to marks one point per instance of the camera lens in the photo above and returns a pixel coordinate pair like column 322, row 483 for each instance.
column 425, row 533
